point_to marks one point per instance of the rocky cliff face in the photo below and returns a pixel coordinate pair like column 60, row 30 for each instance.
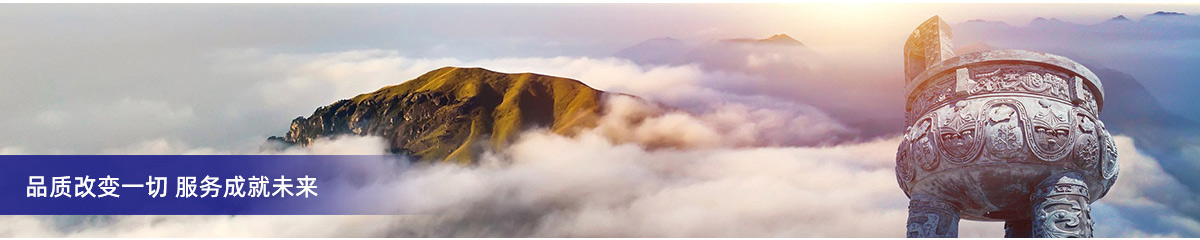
column 453, row 114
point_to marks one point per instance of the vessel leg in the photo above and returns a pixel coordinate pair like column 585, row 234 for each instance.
column 930, row 217
column 1060, row 207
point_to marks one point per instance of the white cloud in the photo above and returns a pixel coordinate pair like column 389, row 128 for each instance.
column 90, row 127
column 160, row 146
column 1152, row 202
column 719, row 124
column 341, row 145
column 586, row 185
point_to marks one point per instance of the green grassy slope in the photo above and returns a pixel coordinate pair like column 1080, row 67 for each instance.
column 453, row 114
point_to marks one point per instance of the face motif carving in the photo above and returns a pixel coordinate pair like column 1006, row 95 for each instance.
column 957, row 135
column 957, row 143
column 1050, row 137
column 1051, row 130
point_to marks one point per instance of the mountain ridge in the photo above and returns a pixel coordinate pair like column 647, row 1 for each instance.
column 453, row 114
column 777, row 39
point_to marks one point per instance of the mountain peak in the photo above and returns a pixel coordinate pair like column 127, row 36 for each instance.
column 1166, row 13
column 781, row 38
column 1052, row 22
column 453, row 114
column 1164, row 16
column 1119, row 18
column 1044, row 20
column 981, row 22
column 664, row 39
column 777, row 39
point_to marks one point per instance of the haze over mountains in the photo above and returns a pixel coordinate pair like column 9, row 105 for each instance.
column 781, row 66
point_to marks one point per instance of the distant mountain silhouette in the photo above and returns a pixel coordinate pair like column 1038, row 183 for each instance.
column 658, row 51
column 778, row 39
column 1129, row 105
column 1132, row 111
column 1165, row 13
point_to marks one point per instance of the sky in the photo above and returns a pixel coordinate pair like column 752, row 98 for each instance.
column 220, row 79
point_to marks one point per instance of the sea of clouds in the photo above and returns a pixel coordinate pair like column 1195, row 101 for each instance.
column 765, row 145
column 717, row 163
